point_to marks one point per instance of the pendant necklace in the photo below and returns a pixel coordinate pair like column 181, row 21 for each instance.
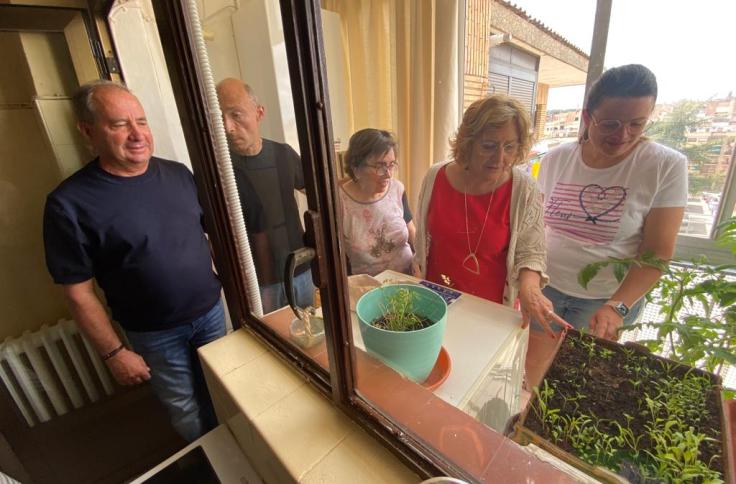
column 471, row 263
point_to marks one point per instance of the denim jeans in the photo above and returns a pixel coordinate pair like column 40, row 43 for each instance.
column 578, row 311
column 176, row 374
column 273, row 296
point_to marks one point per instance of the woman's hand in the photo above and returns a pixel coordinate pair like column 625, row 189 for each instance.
column 606, row 323
column 535, row 305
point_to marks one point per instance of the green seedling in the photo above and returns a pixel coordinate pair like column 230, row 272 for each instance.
column 398, row 312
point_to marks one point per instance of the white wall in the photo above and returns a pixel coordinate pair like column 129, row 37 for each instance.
column 245, row 40
column 28, row 172
column 342, row 123
column 134, row 31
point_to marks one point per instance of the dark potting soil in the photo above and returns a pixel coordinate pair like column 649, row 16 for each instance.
column 380, row 323
column 608, row 383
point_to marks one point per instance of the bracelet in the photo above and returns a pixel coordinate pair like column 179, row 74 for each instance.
column 113, row 352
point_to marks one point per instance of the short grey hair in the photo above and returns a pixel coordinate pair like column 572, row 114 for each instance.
column 84, row 106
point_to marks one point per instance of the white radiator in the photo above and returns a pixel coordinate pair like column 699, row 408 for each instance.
column 51, row 371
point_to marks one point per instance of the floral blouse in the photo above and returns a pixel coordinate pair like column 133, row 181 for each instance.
column 375, row 233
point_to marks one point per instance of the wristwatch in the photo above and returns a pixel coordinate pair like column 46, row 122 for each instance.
column 618, row 306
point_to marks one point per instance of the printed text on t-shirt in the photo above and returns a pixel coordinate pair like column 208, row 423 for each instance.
column 589, row 213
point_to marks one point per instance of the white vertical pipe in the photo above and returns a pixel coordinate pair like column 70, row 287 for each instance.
column 49, row 337
column 22, row 404
column 30, row 343
column 97, row 363
column 224, row 164
column 25, row 380
column 67, row 329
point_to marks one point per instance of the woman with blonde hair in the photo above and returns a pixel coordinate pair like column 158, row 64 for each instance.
column 480, row 226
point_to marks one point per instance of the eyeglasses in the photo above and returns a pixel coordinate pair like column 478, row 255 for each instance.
column 383, row 168
column 610, row 126
column 488, row 147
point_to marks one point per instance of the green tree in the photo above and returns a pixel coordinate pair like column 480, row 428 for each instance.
column 672, row 131
column 698, row 184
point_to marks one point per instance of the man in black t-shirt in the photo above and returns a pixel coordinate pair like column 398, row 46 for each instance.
column 133, row 223
column 274, row 170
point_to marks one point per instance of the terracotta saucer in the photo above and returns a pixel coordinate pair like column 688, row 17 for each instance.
column 440, row 372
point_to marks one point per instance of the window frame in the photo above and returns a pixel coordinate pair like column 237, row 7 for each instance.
column 688, row 247
column 175, row 30
column 304, row 46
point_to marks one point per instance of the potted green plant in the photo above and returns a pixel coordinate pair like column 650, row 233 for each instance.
column 403, row 325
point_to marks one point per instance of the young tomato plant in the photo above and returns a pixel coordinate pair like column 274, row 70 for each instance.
column 697, row 302
column 639, row 415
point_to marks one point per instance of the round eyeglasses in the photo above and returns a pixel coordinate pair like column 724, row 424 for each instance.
column 610, row 126
column 383, row 168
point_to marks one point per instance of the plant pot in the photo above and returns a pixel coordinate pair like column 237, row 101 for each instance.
column 411, row 353
column 590, row 377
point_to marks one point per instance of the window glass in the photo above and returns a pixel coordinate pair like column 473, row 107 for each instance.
column 395, row 103
column 246, row 53
column 562, row 74
column 696, row 109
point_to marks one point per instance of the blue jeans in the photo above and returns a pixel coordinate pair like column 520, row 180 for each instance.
column 578, row 311
column 273, row 296
column 176, row 374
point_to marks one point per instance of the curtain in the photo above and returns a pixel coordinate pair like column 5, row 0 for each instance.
column 403, row 70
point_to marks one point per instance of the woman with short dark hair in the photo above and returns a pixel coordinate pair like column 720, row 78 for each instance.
column 613, row 193
column 378, row 230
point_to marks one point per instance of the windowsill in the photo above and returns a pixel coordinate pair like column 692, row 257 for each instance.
column 287, row 429
column 291, row 433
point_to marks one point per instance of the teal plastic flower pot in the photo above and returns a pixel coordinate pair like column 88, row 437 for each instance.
column 411, row 353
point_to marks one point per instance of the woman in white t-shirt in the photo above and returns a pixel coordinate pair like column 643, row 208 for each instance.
column 614, row 193
column 378, row 230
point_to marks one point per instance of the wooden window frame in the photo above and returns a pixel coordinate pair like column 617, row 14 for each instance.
column 304, row 46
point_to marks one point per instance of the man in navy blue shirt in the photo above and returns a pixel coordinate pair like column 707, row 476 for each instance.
column 133, row 223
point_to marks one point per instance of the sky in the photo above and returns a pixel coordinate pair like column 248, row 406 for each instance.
column 690, row 46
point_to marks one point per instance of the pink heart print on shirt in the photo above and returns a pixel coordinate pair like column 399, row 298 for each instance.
column 597, row 201
column 590, row 213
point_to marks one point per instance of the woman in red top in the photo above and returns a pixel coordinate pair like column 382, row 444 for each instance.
column 480, row 224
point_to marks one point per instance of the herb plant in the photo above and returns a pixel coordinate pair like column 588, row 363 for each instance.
column 399, row 314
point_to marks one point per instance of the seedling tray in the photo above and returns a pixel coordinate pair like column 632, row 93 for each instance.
column 580, row 381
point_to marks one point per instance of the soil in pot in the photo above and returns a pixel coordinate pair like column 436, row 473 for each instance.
column 639, row 415
column 421, row 323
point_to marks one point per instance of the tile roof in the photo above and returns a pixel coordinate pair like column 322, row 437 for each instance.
column 522, row 13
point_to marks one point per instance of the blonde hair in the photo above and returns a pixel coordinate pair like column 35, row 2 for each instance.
column 491, row 112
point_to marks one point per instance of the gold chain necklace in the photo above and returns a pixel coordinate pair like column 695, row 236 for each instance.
column 471, row 263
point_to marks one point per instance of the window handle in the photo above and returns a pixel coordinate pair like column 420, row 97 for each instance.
column 295, row 259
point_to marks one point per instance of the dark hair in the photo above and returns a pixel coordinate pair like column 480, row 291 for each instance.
column 632, row 80
column 83, row 102
column 491, row 112
column 365, row 145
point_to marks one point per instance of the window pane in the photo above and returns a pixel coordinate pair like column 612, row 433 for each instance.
column 247, row 56
column 378, row 62
column 562, row 74
column 696, row 110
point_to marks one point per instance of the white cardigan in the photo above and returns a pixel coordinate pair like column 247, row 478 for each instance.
column 527, row 245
